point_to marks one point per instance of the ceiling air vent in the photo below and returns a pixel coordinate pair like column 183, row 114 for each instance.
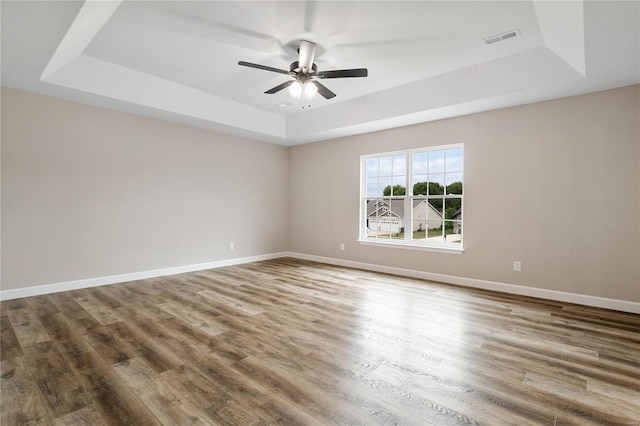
column 501, row 37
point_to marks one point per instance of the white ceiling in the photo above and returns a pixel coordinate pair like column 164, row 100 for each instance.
column 427, row 60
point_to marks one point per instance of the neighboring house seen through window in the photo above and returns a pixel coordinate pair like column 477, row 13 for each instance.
column 413, row 198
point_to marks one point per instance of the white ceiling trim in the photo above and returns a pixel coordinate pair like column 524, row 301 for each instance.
column 92, row 16
column 69, row 67
column 562, row 28
column 104, row 78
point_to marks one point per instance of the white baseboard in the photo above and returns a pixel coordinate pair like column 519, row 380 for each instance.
column 580, row 299
column 560, row 296
column 114, row 279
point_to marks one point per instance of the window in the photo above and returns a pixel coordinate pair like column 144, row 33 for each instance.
column 413, row 198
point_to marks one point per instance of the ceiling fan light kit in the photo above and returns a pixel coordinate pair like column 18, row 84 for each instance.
column 295, row 89
column 305, row 74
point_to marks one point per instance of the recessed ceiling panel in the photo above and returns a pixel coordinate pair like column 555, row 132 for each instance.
column 198, row 44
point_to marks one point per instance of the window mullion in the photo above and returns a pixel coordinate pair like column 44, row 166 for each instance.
column 408, row 203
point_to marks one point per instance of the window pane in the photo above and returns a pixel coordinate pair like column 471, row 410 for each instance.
column 385, row 166
column 453, row 208
column 419, row 208
column 385, row 218
column 454, row 160
column 372, row 188
column 420, row 184
column 454, row 231
column 399, row 183
column 454, row 183
column 434, row 231
column 399, row 165
column 433, row 209
column 419, row 163
column 436, row 184
column 375, row 212
column 419, row 229
column 436, row 161
column 384, row 186
column 371, row 167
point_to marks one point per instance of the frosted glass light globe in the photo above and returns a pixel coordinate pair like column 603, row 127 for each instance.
column 310, row 90
column 296, row 89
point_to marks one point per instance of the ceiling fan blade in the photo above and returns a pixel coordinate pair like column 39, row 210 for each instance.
column 326, row 93
column 263, row 67
column 279, row 87
column 307, row 53
column 356, row 72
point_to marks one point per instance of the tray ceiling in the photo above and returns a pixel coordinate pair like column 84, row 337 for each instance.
column 428, row 60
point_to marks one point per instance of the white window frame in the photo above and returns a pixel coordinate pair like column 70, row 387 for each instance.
column 408, row 242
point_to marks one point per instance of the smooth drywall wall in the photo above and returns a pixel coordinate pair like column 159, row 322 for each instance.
column 88, row 193
column 553, row 184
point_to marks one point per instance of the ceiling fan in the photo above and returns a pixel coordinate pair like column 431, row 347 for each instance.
column 305, row 74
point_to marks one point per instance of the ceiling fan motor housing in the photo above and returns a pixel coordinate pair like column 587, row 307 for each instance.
column 296, row 65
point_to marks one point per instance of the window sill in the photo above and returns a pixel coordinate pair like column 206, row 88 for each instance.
column 422, row 247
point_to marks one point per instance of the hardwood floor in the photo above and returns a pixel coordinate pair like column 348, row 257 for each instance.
column 295, row 342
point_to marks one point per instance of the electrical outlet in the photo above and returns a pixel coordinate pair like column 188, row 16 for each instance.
column 517, row 265
column 232, row 246
column 342, row 246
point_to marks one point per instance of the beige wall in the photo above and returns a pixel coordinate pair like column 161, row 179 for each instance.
column 553, row 184
column 89, row 193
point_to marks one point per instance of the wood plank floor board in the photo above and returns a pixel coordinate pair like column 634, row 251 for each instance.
column 170, row 334
column 67, row 306
column 201, row 359
column 194, row 334
column 362, row 392
column 8, row 340
column 116, row 403
column 13, row 304
column 594, row 341
column 207, row 324
column 27, row 327
column 277, row 411
column 103, row 341
column 165, row 402
column 198, row 303
column 603, row 370
column 41, row 305
column 21, row 402
column 99, row 311
column 128, row 300
column 205, row 394
column 444, row 375
column 64, row 335
column 297, row 342
column 470, row 400
column 228, row 298
column 318, row 405
column 104, row 297
column 579, row 394
column 571, row 399
column 85, row 416
column 61, row 390
column 270, row 296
